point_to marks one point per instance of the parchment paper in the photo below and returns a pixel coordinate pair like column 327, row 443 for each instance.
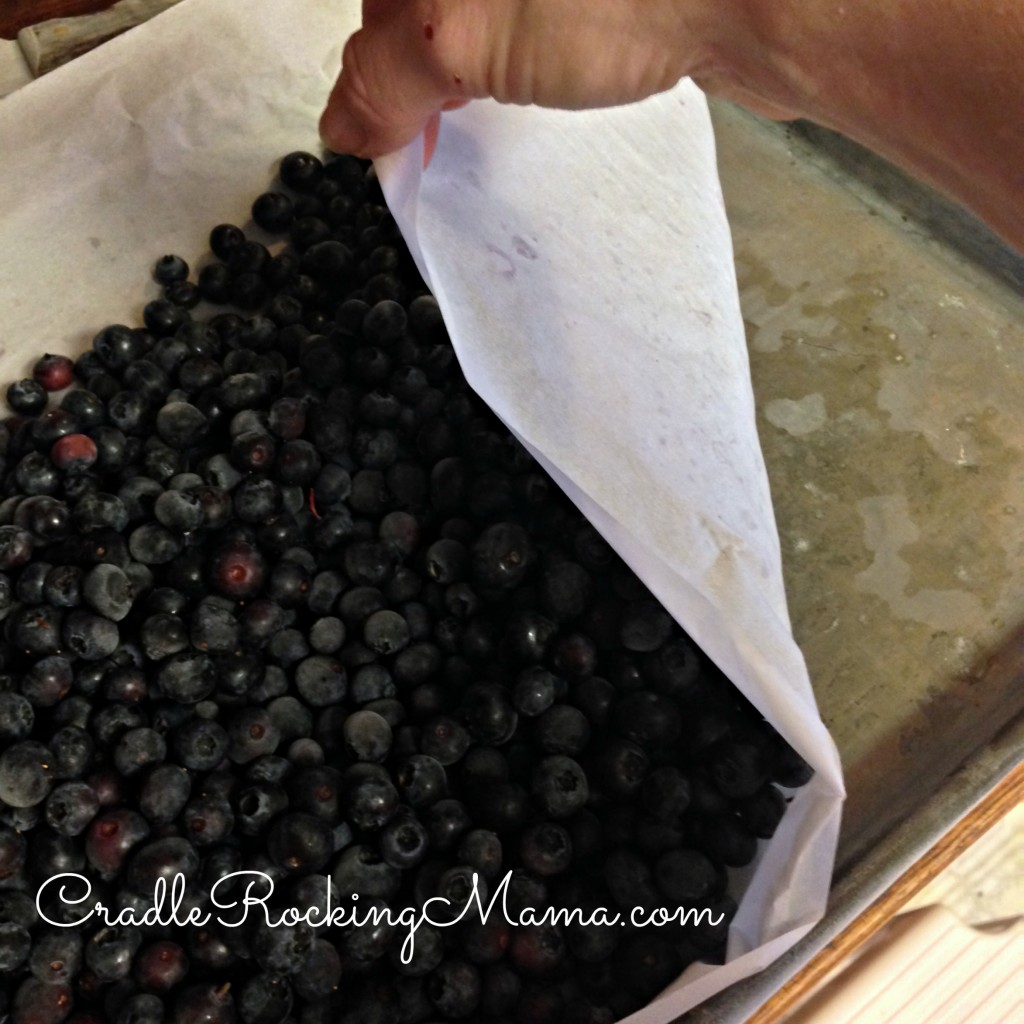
column 584, row 267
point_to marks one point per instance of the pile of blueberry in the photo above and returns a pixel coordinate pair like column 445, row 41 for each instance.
column 280, row 595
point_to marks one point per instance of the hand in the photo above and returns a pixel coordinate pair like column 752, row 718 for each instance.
column 414, row 58
column 926, row 85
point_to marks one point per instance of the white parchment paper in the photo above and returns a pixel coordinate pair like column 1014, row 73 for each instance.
column 584, row 267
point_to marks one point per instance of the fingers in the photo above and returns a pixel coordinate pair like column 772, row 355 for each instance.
column 414, row 58
column 374, row 108
column 394, row 78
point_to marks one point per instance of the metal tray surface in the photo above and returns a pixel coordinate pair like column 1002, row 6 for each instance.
column 886, row 337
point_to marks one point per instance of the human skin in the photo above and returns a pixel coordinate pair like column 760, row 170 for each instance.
column 935, row 87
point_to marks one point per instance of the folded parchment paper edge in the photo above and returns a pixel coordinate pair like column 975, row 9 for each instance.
column 788, row 889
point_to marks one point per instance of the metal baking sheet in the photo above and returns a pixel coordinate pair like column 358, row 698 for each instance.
column 886, row 336
column 885, row 341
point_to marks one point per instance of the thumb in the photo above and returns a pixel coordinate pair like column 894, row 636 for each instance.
column 391, row 84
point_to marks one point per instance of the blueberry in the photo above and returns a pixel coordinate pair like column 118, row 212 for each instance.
column 90, row 637
column 237, row 570
column 629, row 879
column 72, row 749
column 27, row 397
column 257, row 805
column 289, row 581
column 320, row 680
column 329, row 429
column 51, row 426
column 546, row 848
column 488, row 713
column 301, row 171
column 594, row 696
column 107, row 590
column 57, row 957
column 163, row 318
column 788, row 768
column 25, row 774
column 445, row 739
column 527, row 636
column 207, row 1003
column 328, row 261
column 320, row 974
column 187, row 677
column 162, row 859
column 425, row 955
column 454, row 988
column 562, row 729
column 164, row 792
column 622, row 767
column 648, row 718
column 17, row 716
column 535, row 691
column 327, row 635
column 148, row 382
column 248, row 257
column 36, row 474
column 183, row 294
column 537, row 949
column 223, row 238
column 666, row 792
column 160, row 966
column 37, row 1000
column 560, row 786
column 686, row 877
column 238, row 671
column 739, row 769
column 404, row 841
column 48, row 681
column 574, row 654
column 386, row 632
column 180, row 511
column 257, row 500
column 169, row 269
column 300, row 842
column 36, row 630
column 447, row 560
column 111, row 836
column 207, row 819
column 214, row 282
column 273, row 211
column 367, row 736
column 181, row 424
column 138, row 749
column 153, row 544
column 53, row 372
column 370, row 798
column 725, row 839
column 251, row 733
column 12, row 852
column 500, row 990
column 85, row 407
column 447, row 820
column 213, row 627
column 15, row 547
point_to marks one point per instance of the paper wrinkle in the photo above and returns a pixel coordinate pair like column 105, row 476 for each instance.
column 584, row 267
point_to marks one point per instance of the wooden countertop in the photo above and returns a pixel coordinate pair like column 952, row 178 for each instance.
column 18, row 14
column 1007, row 795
